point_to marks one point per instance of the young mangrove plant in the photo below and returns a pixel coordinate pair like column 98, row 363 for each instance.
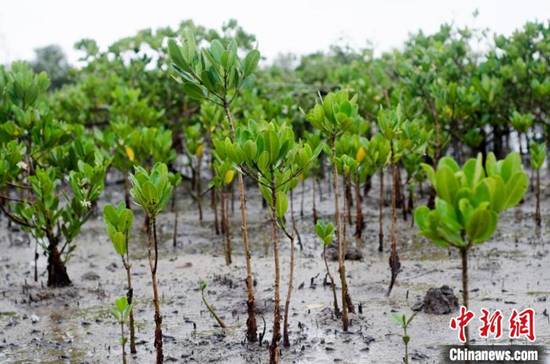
column 217, row 74
column 51, row 173
column 538, row 155
column 468, row 203
column 404, row 136
column 269, row 154
column 202, row 287
column 404, row 322
column 152, row 191
column 333, row 116
column 118, row 221
column 325, row 232
column 121, row 311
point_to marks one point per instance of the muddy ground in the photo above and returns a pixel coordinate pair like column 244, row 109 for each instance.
column 73, row 325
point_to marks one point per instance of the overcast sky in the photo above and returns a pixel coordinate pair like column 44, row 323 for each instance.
column 298, row 26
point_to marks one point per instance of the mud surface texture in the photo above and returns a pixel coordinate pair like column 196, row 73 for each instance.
column 74, row 324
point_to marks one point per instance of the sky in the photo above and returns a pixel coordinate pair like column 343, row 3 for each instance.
column 282, row 26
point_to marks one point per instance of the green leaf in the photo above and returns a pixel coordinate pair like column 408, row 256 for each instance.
column 250, row 62
column 119, row 243
column 446, row 184
column 448, row 162
column 282, row 204
column 176, row 55
column 481, row 225
column 515, row 189
column 194, row 91
column 217, row 49
column 399, row 318
column 510, row 165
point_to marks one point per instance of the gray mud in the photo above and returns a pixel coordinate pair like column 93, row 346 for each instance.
column 73, row 325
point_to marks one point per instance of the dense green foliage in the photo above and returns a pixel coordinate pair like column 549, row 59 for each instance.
column 152, row 109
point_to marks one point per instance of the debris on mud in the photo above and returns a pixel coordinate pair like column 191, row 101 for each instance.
column 352, row 253
column 440, row 301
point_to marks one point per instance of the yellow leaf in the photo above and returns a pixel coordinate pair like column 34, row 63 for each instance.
column 361, row 154
column 229, row 175
column 130, row 153
column 200, row 150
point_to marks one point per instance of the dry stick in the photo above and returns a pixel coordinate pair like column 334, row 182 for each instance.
column 274, row 352
column 410, row 205
column 214, row 205
column 401, row 195
column 227, row 230
column 348, row 198
column 359, row 221
column 36, row 260
column 538, row 219
column 176, row 215
column 130, row 297
column 302, row 198
column 332, row 284
column 293, row 218
column 251, row 322
column 381, row 213
column 339, row 241
column 465, row 294
column 214, row 200
column 212, row 311
column 395, row 265
column 286, row 340
column 153, row 262
column 315, row 216
column 222, row 223
column 126, row 191
column 345, row 213
column 199, row 188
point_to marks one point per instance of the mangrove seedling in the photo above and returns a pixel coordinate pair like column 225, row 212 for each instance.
column 404, row 322
column 217, row 73
column 51, row 173
column 152, row 191
column 202, row 287
column 119, row 224
column 404, row 136
column 468, row 203
column 121, row 311
column 538, row 155
column 333, row 116
column 325, row 232
column 269, row 154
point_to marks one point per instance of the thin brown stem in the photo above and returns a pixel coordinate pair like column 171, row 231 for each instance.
column 381, row 214
column 339, row 240
column 251, row 322
column 394, row 262
column 227, row 229
column 153, row 261
column 286, row 340
column 212, row 311
column 274, row 351
column 465, row 291
column 332, row 284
